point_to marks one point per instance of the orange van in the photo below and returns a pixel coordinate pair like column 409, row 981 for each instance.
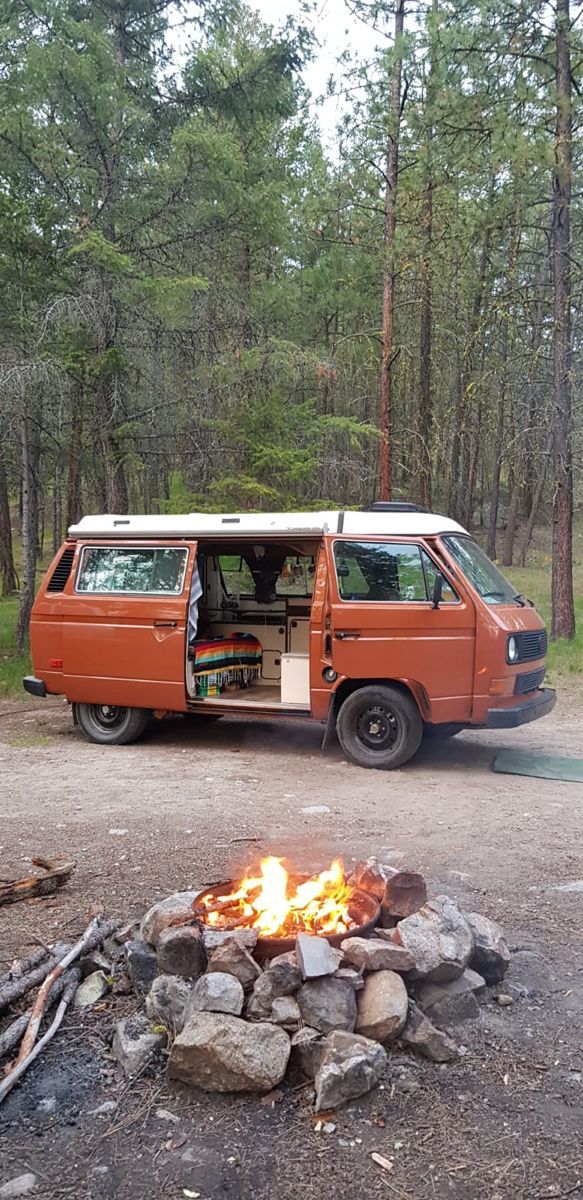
column 381, row 625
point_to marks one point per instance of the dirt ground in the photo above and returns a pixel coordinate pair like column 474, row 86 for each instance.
column 192, row 803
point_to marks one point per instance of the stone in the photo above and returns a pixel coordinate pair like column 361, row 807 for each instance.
column 370, row 876
column 279, row 979
column 504, row 1000
column 307, row 1048
column 142, row 965
column 134, row 1044
column 288, row 957
column 455, row 1001
column 21, row 1185
column 491, row 957
column 167, row 1000
column 328, row 1004
column 350, row 1066
column 375, row 954
column 439, row 939
column 354, row 978
column 95, row 961
column 285, row 1011
column 316, row 957
column 213, row 938
column 382, row 1006
column 93, row 988
column 422, row 1036
column 221, row 1053
column 405, row 893
column 216, row 992
column 181, row 952
column 234, row 959
column 104, row 1109
column 174, row 910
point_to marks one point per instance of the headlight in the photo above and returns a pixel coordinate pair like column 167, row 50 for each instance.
column 512, row 650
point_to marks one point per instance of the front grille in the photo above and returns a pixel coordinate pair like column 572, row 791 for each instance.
column 62, row 571
column 531, row 645
column 529, row 682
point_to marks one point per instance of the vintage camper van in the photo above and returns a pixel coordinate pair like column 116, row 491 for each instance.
column 381, row 625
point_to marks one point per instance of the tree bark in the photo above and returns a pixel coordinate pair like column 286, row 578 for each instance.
column 563, row 619
column 426, row 281
column 7, row 570
column 74, row 503
column 501, row 407
column 392, row 172
column 29, row 461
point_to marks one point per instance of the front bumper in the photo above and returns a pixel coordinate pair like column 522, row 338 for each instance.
column 539, row 705
column 36, row 687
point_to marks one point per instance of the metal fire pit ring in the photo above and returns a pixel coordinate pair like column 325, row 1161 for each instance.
column 364, row 909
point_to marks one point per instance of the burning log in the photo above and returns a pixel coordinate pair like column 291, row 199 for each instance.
column 57, row 874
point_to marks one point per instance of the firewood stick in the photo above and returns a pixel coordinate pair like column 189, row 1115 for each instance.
column 13, row 1033
column 36, row 885
column 94, row 934
column 22, row 966
column 23, row 1064
column 15, row 988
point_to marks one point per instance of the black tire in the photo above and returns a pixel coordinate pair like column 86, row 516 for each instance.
column 379, row 726
column 110, row 724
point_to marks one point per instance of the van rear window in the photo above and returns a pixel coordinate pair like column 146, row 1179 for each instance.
column 153, row 571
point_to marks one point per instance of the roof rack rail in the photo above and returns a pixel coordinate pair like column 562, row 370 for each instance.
column 393, row 506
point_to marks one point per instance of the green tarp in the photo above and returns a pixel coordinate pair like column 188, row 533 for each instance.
column 539, row 766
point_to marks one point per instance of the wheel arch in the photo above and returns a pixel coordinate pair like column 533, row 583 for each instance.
column 408, row 686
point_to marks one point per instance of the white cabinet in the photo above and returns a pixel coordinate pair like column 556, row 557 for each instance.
column 295, row 679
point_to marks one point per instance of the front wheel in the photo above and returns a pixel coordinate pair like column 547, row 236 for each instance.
column 110, row 724
column 379, row 727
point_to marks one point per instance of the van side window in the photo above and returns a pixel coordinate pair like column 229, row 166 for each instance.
column 385, row 571
column 122, row 569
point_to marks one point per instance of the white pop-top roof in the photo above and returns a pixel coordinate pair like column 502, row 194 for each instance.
column 194, row 525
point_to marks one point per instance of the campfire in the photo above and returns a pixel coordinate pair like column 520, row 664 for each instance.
column 279, row 906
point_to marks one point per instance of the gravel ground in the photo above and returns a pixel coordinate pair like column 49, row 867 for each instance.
column 196, row 801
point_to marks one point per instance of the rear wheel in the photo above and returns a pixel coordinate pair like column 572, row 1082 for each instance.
column 379, row 726
column 111, row 724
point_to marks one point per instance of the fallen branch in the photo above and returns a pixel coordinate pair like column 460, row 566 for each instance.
column 22, row 966
column 13, row 1032
column 23, row 1064
column 56, row 876
column 93, row 936
column 15, row 988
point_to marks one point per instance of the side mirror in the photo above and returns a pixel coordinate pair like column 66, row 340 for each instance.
column 437, row 590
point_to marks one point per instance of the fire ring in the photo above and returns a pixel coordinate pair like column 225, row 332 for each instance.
column 364, row 910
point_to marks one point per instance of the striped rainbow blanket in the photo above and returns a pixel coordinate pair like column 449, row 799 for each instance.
column 226, row 654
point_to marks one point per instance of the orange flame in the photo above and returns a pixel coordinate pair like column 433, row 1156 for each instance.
column 276, row 907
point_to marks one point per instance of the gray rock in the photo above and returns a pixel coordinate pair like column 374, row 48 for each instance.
column 371, row 876
column 134, row 1044
column 21, row 1185
column 222, row 1053
column 376, row 954
column 234, row 959
column 354, row 978
column 279, row 979
column 167, row 1000
column 491, row 955
column 405, row 894
column 307, row 1048
column 181, row 952
column 439, row 939
column 316, row 957
column 288, row 957
column 216, row 992
column 421, row 1035
column 455, row 1001
column 95, row 961
column 94, row 988
column 285, row 1011
column 382, row 1006
column 328, row 1004
column 213, row 938
column 350, row 1067
column 174, row 910
column 142, row 965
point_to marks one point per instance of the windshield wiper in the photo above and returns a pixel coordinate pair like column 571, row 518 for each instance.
column 520, row 600
column 503, row 596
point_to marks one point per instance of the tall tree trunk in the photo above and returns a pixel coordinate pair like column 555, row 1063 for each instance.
column 29, row 459
column 7, row 570
column 511, row 523
column 74, row 502
column 501, row 407
column 536, row 499
column 392, row 172
column 426, row 281
column 563, row 621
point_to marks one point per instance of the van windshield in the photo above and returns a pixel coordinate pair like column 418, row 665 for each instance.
column 488, row 581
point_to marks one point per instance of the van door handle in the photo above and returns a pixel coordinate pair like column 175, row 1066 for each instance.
column 343, row 637
column 165, row 624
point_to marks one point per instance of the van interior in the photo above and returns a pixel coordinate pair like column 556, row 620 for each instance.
column 250, row 606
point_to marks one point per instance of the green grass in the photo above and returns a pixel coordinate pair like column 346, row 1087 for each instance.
column 12, row 665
